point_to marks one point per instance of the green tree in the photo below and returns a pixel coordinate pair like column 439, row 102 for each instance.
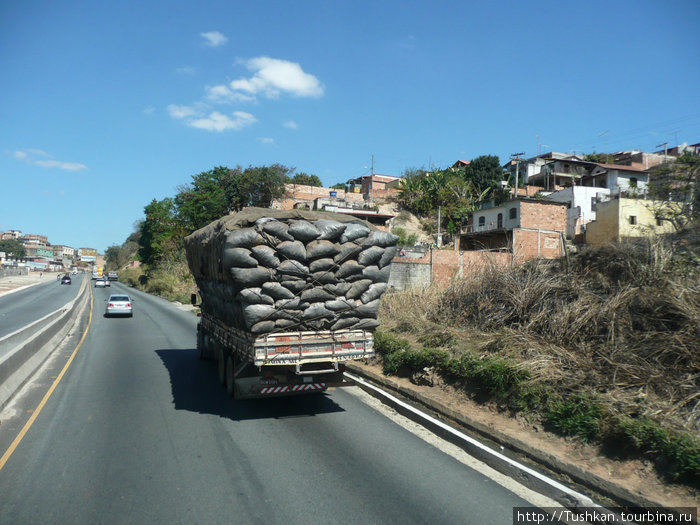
column 485, row 173
column 339, row 186
column 12, row 247
column 259, row 186
column 675, row 188
column 306, row 179
column 208, row 197
column 117, row 257
column 160, row 231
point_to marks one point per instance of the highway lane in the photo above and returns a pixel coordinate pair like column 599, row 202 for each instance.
column 139, row 431
column 23, row 307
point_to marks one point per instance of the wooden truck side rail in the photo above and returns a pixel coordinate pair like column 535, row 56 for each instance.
column 300, row 349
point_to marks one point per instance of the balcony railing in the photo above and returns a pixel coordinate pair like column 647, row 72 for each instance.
column 471, row 228
column 620, row 193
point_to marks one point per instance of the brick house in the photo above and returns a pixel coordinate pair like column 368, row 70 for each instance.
column 524, row 227
column 373, row 186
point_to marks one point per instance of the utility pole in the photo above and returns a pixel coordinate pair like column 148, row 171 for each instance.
column 371, row 183
column 516, row 157
column 665, row 145
column 439, row 236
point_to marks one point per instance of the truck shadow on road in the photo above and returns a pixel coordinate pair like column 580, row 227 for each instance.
column 195, row 387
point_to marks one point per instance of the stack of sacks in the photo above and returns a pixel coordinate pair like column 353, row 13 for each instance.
column 264, row 270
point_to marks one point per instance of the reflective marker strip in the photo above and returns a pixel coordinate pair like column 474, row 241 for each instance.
column 293, row 388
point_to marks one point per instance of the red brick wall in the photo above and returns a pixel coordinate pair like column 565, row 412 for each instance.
column 529, row 244
column 543, row 216
column 302, row 194
column 447, row 264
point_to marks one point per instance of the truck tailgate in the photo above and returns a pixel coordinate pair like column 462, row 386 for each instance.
column 306, row 347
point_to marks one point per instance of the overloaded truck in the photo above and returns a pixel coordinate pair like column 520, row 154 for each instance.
column 287, row 297
column 97, row 272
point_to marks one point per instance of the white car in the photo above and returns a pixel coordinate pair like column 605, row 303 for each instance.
column 119, row 305
column 101, row 282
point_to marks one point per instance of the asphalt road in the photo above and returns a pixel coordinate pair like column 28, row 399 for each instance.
column 138, row 430
column 23, row 307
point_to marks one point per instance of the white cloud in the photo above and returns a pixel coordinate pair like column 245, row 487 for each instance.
column 149, row 110
column 39, row 152
column 267, row 140
column 273, row 77
column 185, row 70
column 216, row 121
column 181, row 111
column 29, row 156
column 290, row 124
column 214, row 38
column 67, row 166
column 223, row 95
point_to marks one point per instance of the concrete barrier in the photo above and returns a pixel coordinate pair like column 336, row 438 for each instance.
column 27, row 349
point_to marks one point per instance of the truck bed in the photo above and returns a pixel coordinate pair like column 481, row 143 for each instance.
column 302, row 349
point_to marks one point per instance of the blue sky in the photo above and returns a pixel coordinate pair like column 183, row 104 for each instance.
column 105, row 106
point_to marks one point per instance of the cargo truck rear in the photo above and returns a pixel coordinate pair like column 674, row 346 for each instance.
column 287, row 297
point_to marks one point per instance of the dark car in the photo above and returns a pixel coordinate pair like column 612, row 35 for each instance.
column 66, row 279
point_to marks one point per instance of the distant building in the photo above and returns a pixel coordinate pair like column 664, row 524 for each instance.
column 619, row 218
column 11, row 234
column 523, row 226
column 373, row 186
column 614, row 176
column 301, row 195
column 582, row 204
column 61, row 251
column 88, row 255
column 35, row 239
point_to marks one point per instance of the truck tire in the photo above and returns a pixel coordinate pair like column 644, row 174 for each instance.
column 230, row 390
column 221, row 358
column 201, row 348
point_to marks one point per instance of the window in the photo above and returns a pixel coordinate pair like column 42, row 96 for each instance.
column 633, row 182
column 500, row 221
column 633, row 219
column 482, row 220
column 513, row 213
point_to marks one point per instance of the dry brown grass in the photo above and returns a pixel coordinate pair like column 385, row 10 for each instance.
column 620, row 321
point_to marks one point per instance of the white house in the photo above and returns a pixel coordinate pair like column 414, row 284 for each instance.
column 616, row 176
column 582, row 206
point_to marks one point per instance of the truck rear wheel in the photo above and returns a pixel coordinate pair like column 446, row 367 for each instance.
column 201, row 348
column 221, row 358
column 230, row 382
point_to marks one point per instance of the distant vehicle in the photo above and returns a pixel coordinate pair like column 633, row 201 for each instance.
column 97, row 272
column 113, row 276
column 102, row 282
column 119, row 305
column 66, row 279
column 75, row 272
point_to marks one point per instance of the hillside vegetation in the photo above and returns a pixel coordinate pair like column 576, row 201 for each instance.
column 606, row 349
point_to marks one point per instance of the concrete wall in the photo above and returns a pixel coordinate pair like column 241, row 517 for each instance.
column 614, row 221
column 605, row 229
column 441, row 266
column 9, row 271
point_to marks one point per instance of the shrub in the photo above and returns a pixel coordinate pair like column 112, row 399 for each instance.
column 680, row 453
column 576, row 416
